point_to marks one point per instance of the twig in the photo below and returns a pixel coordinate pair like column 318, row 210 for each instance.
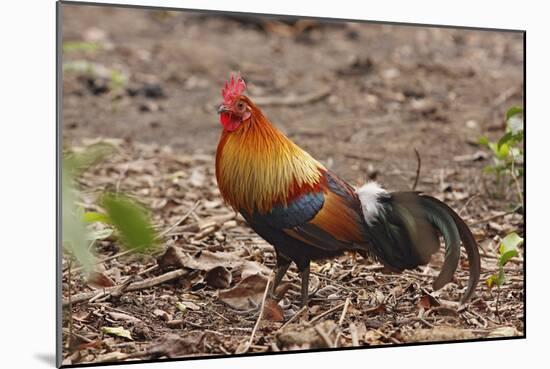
column 293, row 318
column 426, row 322
column 467, row 203
column 292, row 99
column 147, row 283
column 181, row 220
column 327, row 312
column 485, row 220
column 344, row 311
column 419, row 164
column 324, row 336
column 251, row 339
column 79, row 336
column 150, row 269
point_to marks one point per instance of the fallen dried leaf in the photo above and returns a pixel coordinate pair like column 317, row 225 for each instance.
column 246, row 294
column 273, row 311
column 117, row 331
column 189, row 305
column 125, row 317
column 162, row 314
column 427, row 301
column 173, row 346
column 100, row 280
column 218, row 277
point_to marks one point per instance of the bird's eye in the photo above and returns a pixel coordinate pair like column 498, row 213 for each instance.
column 240, row 105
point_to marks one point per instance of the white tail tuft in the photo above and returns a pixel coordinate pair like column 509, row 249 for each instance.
column 368, row 196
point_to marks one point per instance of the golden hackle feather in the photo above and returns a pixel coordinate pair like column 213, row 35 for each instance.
column 257, row 166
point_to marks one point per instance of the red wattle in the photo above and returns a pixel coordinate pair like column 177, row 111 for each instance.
column 229, row 121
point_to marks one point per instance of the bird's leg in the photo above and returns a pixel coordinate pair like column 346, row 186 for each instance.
column 305, row 285
column 280, row 271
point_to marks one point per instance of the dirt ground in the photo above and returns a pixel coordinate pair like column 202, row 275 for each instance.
column 359, row 97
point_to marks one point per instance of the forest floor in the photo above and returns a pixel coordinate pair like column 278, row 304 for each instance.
column 360, row 98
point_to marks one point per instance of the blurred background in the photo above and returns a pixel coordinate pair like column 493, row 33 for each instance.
column 358, row 96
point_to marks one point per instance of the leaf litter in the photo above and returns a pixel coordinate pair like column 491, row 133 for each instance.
column 211, row 304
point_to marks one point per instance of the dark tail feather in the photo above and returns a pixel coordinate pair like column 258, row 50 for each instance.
column 407, row 234
column 470, row 244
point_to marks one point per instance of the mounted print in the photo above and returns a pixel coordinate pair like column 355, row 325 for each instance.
column 240, row 184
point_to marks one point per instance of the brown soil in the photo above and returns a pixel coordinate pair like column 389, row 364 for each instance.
column 382, row 91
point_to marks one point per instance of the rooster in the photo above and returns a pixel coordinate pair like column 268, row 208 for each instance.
column 309, row 213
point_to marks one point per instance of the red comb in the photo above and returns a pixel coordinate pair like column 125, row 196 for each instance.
column 232, row 89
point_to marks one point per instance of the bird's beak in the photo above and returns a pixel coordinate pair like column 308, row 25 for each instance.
column 222, row 109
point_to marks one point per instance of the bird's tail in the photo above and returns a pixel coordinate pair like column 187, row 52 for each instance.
column 404, row 230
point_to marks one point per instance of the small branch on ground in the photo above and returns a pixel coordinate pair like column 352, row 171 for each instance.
column 344, row 311
column 418, row 166
column 320, row 316
column 147, row 283
column 293, row 318
column 251, row 339
column 485, row 220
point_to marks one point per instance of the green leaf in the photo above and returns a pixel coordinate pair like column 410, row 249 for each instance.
column 99, row 234
column 92, row 217
column 514, row 110
column 492, row 280
column 131, row 220
column 483, row 140
column 74, row 232
column 502, row 151
column 117, row 331
column 505, row 139
column 509, row 247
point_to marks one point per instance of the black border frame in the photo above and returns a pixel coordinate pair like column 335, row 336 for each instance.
column 58, row 113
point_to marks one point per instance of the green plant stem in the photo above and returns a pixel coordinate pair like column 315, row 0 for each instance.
column 497, row 304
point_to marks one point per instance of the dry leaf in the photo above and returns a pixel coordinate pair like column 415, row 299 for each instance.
column 162, row 314
column 100, row 280
column 173, row 346
column 218, row 277
column 427, row 301
column 206, row 260
column 125, row 317
column 273, row 311
column 117, row 331
column 247, row 294
column 189, row 305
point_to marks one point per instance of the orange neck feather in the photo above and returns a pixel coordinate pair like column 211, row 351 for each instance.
column 258, row 167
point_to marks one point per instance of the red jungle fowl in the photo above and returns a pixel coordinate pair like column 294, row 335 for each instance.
column 308, row 213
